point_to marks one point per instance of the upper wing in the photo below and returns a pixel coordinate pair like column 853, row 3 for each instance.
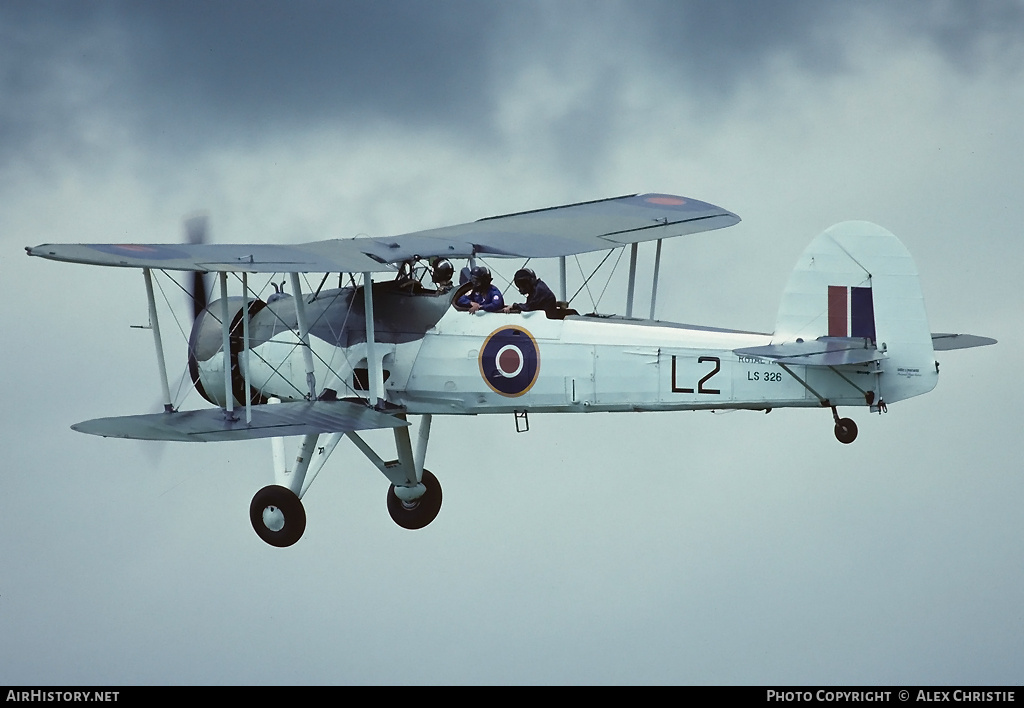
column 318, row 257
column 588, row 226
column 544, row 233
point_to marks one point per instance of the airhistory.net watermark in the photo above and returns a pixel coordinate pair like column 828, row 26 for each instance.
column 32, row 696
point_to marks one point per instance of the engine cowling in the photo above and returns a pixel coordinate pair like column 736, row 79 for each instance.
column 206, row 352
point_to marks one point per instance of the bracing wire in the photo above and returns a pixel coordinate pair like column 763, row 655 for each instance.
column 257, row 295
column 610, row 274
column 587, row 278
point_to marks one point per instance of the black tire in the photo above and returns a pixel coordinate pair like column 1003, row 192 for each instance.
column 422, row 511
column 275, row 498
column 846, row 431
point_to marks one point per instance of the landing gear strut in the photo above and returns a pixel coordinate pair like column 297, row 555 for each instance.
column 277, row 516
column 414, row 498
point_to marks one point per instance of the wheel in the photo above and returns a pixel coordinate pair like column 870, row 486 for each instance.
column 846, row 431
column 419, row 513
column 277, row 516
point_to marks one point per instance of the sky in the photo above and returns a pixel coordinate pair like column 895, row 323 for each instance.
column 683, row 548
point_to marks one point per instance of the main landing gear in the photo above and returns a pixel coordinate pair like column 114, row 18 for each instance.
column 279, row 518
column 413, row 500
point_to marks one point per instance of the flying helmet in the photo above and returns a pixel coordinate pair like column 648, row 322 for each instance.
column 442, row 272
column 480, row 277
column 525, row 280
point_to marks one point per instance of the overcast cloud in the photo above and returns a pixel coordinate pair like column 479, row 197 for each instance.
column 660, row 548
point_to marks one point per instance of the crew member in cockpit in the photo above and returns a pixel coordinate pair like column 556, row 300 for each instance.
column 441, row 272
column 538, row 294
column 483, row 296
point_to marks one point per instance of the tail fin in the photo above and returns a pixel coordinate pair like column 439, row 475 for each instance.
column 858, row 280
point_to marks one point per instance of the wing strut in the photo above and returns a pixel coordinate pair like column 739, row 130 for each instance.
column 632, row 278
column 631, row 288
column 154, row 324
column 245, row 346
column 561, row 278
column 225, row 326
column 307, row 352
column 373, row 366
column 654, row 281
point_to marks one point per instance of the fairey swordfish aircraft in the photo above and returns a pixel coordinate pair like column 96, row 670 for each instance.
column 851, row 331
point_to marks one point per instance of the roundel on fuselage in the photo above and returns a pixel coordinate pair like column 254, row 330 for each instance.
column 510, row 361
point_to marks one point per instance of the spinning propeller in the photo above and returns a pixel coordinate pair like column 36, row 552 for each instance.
column 195, row 232
column 195, row 229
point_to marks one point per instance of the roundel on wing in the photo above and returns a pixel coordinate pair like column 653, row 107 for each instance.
column 510, row 361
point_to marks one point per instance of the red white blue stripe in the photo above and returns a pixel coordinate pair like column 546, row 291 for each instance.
column 851, row 312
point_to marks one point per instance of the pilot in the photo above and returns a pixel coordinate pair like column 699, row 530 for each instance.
column 441, row 272
column 538, row 294
column 483, row 296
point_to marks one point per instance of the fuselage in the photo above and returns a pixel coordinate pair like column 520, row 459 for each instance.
column 440, row 360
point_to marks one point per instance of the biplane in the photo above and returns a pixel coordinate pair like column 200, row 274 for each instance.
column 326, row 363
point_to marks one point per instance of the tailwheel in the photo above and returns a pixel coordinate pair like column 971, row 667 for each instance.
column 846, row 430
column 277, row 516
column 415, row 513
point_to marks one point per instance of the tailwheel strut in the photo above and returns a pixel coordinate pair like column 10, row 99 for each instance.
column 846, row 429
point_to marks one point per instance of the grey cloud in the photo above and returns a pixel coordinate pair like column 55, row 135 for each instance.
column 188, row 75
column 968, row 34
column 191, row 74
column 310, row 60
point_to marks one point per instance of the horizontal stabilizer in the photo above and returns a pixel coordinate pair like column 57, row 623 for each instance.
column 824, row 351
column 268, row 421
column 945, row 342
